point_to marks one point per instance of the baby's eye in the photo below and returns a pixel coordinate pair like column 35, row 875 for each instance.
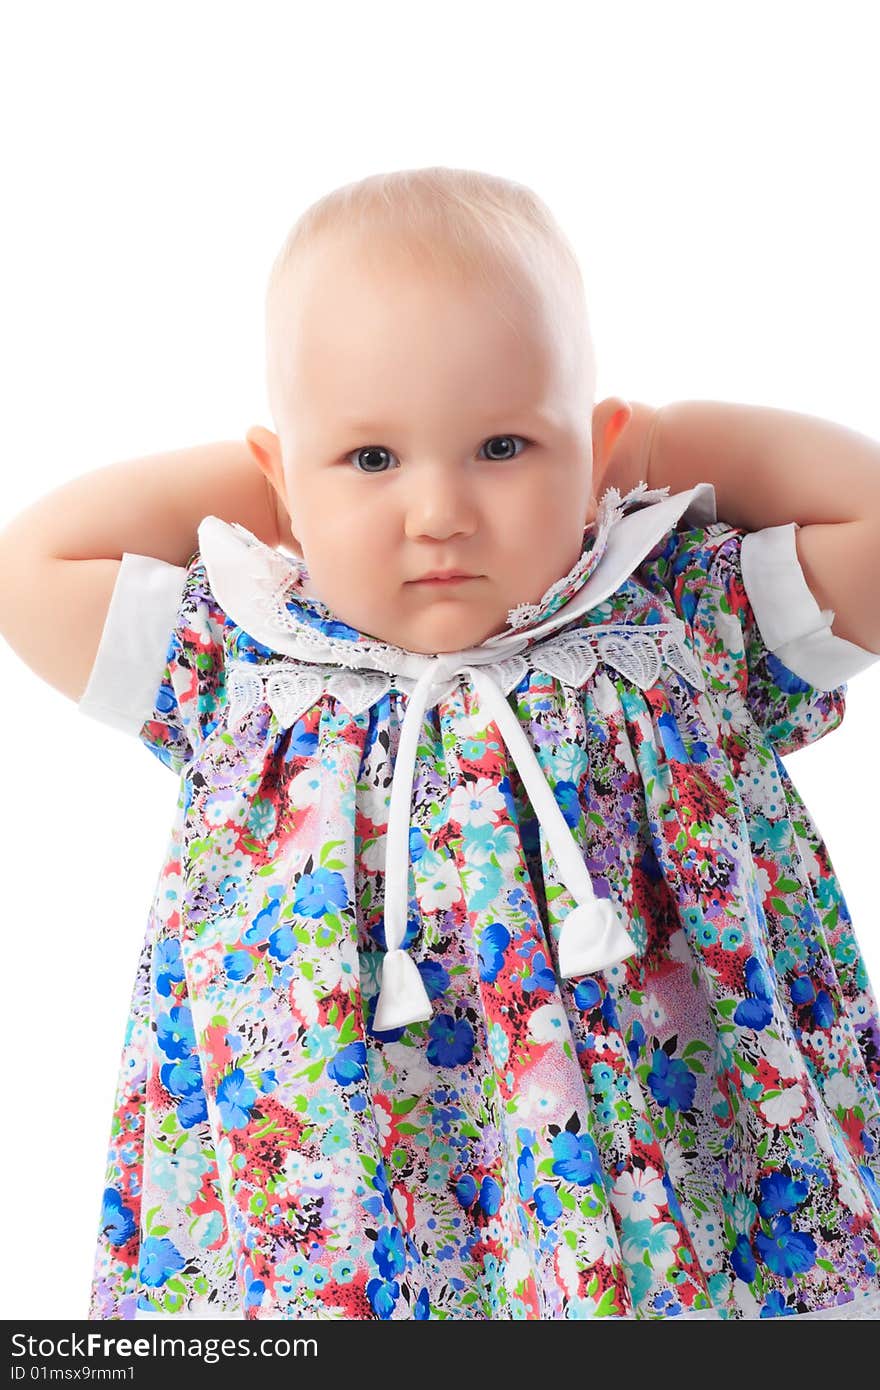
column 370, row 457
column 505, row 440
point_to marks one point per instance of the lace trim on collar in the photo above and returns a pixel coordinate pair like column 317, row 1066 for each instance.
column 610, row 510
column 277, row 594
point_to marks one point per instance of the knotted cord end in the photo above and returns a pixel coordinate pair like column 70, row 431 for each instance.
column 402, row 996
column 592, row 938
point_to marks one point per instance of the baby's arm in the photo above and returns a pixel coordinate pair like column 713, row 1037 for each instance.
column 777, row 468
column 59, row 558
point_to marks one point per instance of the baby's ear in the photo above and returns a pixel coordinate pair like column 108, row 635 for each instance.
column 265, row 450
column 610, row 419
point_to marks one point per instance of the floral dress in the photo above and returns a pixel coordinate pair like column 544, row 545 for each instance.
column 682, row 1122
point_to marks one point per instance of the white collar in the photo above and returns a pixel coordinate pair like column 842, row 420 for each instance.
column 250, row 581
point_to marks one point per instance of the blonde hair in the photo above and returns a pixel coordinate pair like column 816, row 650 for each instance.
column 469, row 222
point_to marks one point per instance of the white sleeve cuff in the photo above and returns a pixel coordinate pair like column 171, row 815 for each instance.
column 789, row 619
column 132, row 652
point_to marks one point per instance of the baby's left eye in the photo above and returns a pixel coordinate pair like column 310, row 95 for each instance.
column 505, row 440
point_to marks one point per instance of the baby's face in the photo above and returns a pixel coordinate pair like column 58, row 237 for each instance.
column 432, row 426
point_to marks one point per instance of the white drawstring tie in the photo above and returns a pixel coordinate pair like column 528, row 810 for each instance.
column 592, row 936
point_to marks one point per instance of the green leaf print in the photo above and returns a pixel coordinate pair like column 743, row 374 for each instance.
column 403, row 1107
column 607, row 1305
column 788, row 885
column 312, row 1072
column 744, row 1064
column 346, row 1032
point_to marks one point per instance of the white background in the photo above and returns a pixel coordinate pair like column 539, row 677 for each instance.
column 714, row 166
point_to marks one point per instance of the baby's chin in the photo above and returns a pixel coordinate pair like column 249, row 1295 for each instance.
column 432, row 636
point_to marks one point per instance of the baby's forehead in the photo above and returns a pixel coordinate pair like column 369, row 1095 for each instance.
column 365, row 326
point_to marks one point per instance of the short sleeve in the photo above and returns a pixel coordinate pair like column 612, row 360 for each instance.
column 159, row 670
column 765, row 646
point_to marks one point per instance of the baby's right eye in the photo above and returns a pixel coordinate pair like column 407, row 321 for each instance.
column 370, row 454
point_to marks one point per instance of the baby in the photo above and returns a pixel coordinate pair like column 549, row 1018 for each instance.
column 434, row 400
column 496, row 968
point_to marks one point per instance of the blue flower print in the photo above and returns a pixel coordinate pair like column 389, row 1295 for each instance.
column 303, row 742
column 490, row 1195
column 265, row 919
column 192, row 1110
column 320, row 893
column 672, row 1201
column 609, row 1010
column 566, row 794
column 235, row 1096
column 117, row 1220
column 525, row 1167
column 175, row 1034
column 380, row 1183
column 869, row 1179
column 411, row 934
column 783, row 677
column 466, row 1190
column 587, row 994
column 802, row 989
column 823, row 1010
column 422, row 1306
column 493, row 943
column 349, row 1065
column 542, row 975
column 775, row 1306
column 756, row 1012
column 786, row 1251
column 183, row 1078
column 435, row 978
column 168, row 964
column 335, row 627
column 672, row 740
column 239, row 965
column 671, row 1081
column 636, row 1042
column 743, row 1260
column 547, row 1204
column 779, row 1193
column 576, row 1158
column 450, row 1041
column 159, row 1259
column 282, row 942
column 254, row 1289
column 389, row 1253
column 383, row 1296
